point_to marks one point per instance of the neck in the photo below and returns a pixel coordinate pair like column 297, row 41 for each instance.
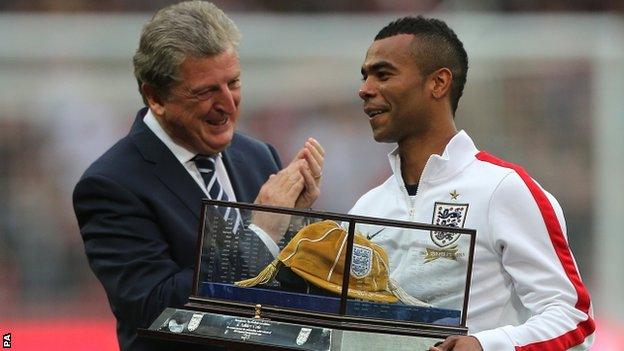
column 173, row 135
column 415, row 151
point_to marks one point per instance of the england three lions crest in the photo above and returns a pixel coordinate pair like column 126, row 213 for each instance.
column 362, row 261
column 450, row 215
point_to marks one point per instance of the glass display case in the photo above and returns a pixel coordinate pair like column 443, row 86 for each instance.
column 284, row 279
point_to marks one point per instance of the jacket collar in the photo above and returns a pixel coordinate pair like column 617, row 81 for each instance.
column 458, row 154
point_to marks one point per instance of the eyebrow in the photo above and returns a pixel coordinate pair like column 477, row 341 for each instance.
column 378, row 66
column 202, row 88
column 212, row 87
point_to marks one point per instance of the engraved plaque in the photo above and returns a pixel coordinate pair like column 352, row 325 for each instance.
column 249, row 330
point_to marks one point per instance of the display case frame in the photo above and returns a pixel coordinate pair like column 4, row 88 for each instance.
column 280, row 316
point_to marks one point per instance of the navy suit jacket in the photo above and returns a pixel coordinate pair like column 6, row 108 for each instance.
column 138, row 210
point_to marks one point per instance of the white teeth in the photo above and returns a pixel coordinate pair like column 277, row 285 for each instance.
column 219, row 123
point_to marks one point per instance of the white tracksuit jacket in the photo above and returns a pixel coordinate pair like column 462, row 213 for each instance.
column 526, row 293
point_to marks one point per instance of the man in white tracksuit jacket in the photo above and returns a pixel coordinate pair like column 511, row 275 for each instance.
column 526, row 292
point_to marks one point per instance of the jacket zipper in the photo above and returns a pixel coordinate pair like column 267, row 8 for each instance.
column 411, row 201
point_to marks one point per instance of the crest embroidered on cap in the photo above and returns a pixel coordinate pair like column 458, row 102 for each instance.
column 451, row 215
column 361, row 261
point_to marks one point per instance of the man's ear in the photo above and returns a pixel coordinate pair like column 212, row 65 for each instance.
column 442, row 79
column 154, row 101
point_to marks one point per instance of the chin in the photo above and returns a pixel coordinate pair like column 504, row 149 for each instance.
column 215, row 142
column 220, row 147
column 381, row 138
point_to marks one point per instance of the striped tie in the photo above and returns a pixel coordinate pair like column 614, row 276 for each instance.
column 206, row 167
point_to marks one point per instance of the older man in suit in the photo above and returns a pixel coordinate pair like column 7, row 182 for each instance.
column 138, row 205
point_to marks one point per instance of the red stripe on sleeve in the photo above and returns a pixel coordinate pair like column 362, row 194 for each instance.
column 585, row 328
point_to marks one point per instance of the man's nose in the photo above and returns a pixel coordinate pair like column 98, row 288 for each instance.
column 365, row 91
column 226, row 103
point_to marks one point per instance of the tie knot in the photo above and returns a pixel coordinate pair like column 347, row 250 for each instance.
column 204, row 163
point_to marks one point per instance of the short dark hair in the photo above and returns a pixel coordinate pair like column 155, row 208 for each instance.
column 438, row 47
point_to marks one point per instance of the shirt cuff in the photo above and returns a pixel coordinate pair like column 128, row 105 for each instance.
column 494, row 340
column 266, row 239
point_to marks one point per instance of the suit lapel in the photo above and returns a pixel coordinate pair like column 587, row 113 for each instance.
column 166, row 166
column 180, row 182
column 234, row 161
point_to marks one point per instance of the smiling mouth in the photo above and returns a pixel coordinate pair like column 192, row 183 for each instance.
column 219, row 122
column 372, row 113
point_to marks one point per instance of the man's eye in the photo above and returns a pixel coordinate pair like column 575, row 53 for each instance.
column 382, row 76
column 204, row 94
column 234, row 84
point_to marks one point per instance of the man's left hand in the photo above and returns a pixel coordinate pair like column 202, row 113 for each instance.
column 314, row 155
column 458, row 343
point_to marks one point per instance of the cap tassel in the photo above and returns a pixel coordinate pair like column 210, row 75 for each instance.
column 265, row 276
column 403, row 296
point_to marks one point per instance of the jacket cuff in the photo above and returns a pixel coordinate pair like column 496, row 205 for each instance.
column 266, row 239
column 494, row 340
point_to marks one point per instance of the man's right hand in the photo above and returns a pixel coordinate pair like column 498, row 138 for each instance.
column 458, row 343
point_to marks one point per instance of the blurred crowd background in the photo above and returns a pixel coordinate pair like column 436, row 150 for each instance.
column 311, row 6
column 545, row 90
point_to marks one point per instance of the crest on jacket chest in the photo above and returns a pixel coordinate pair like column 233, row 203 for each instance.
column 450, row 215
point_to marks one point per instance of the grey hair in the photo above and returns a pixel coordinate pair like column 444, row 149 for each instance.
column 187, row 29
